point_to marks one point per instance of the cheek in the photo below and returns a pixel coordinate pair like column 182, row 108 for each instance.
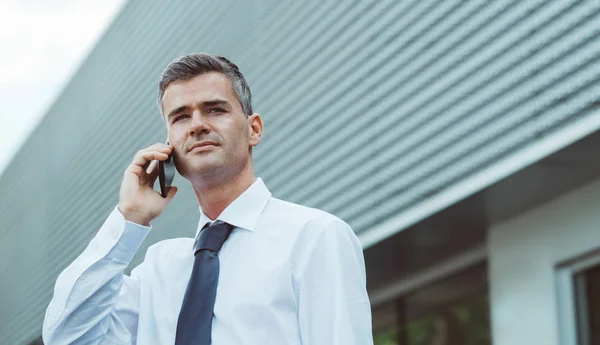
column 177, row 136
column 238, row 133
column 244, row 136
column 244, row 129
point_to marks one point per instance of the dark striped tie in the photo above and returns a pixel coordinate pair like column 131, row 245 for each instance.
column 195, row 318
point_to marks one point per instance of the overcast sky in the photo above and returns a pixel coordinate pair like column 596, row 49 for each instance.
column 42, row 43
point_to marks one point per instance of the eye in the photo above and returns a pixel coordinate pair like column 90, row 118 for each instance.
column 179, row 117
column 216, row 110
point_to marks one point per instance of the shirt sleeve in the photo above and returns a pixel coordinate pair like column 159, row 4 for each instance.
column 94, row 302
column 333, row 304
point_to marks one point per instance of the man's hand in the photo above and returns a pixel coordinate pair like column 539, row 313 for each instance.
column 138, row 201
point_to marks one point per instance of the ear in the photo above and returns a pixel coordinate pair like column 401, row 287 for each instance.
column 255, row 128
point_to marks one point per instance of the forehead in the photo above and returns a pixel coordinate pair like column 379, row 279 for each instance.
column 203, row 88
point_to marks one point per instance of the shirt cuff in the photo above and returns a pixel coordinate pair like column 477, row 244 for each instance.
column 126, row 236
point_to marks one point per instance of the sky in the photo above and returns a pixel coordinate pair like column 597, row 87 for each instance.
column 42, row 43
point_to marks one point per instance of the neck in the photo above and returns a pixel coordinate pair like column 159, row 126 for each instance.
column 215, row 197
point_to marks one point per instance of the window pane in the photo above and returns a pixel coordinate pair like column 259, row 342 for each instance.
column 454, row 311
column 587, row 287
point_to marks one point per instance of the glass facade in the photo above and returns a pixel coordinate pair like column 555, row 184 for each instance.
column 454, row 310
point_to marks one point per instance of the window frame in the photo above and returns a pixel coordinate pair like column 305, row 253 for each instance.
column 567, row 298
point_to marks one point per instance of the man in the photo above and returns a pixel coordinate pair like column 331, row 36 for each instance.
column 260, row 271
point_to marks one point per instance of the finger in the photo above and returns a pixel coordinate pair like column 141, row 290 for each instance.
column 143, row 158
column 152, row 172
column 171, row 193
column 159, row 147
column 136, row 170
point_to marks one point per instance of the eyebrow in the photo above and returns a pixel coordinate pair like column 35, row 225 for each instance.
column 176, row 111
column 204, row 104
column 213, row 103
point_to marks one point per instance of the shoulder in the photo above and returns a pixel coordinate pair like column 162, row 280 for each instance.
column 310, row 225
column 322, row 241
column 305, row 222
column 302, row 214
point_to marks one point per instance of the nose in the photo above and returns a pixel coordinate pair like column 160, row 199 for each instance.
column 198, row 124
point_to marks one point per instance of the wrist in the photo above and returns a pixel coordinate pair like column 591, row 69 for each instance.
column 134, row 217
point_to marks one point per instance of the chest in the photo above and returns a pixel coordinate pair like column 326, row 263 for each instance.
column 255, row 285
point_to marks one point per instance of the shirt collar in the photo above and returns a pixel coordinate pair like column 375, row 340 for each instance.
column 244, row 211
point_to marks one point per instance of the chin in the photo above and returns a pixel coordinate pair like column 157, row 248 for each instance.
column 202, row 167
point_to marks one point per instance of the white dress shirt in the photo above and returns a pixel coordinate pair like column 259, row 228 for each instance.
column 288, row 275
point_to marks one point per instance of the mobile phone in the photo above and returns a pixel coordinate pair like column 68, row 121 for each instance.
column 166, row 173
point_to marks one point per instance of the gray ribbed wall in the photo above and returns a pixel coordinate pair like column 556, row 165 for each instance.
column 369, row 107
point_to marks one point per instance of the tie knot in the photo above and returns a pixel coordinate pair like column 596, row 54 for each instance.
column 213, row 237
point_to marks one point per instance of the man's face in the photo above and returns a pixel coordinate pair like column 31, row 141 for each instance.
column 210, row 134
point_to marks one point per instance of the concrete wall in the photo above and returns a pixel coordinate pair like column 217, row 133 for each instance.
column 523, row 254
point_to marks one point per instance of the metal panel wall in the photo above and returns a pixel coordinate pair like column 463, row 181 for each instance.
column 369, row 107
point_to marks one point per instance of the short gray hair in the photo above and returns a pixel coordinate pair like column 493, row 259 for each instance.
column 193, row 65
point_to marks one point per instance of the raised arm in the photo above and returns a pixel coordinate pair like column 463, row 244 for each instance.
column 94, row 302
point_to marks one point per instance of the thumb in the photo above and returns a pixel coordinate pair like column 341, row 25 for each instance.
column 171, row 193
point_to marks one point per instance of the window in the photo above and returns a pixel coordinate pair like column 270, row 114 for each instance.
column 453, row 311
column 579, row 301
column 587, row 297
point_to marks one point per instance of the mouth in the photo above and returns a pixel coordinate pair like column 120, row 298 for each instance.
column 202, row 146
